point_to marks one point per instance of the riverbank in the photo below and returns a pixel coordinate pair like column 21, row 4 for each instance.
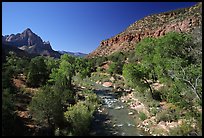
column 153, row 123
column 150, row 117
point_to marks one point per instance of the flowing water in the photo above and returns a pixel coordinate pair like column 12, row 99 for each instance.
column 113, row 117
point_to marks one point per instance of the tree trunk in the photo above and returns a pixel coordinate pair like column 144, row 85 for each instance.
column 51, row 127
column 195, row 92
column 70, row 82
column 149, row 88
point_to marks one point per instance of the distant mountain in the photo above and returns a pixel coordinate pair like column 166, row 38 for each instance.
column 20, row 53
column 188, row 20
column 77, row 54
column 31, row 43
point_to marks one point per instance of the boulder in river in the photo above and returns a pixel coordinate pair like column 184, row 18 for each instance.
column 120, row 125
column 107, row 84
column 118, row 107
column 130, row 113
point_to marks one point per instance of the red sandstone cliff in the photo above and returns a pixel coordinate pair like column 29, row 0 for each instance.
column 181, row 20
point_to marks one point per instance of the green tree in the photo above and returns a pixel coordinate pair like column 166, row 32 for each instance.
column 17, row 64
column 137, row 76
column 8, row 116
column 38, row 73
column 167, row 58
column 112, row 68
column 46, row 107
column 174, row 61
column 7, row 75
column 145, row 51
column 100, row 60
column 62, row 76
column 83, row 67
column 68, row 58
column 91, row 100
column 51, row 63
column 117, row 57
column 191, row 76
column 115, row 67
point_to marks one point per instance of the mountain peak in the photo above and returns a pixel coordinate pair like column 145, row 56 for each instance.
column 31, row 43
column 27, row 30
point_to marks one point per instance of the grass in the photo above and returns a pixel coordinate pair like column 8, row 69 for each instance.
column 146, row 99
column 158, row 131
column 182, row 130
column 142, row 116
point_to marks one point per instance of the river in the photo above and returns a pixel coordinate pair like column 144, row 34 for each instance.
column 113, row 117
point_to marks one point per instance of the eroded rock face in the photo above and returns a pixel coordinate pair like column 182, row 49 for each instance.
column 181, row 20
column 26, row 38
column 30, row 42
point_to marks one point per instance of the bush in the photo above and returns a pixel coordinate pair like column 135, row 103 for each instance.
column 154, row 111
column 183, row 130
column 115, row 67
column 142, row 116
column 63, row 132
column 80, row 118
column 167, row 115
column 91, row 102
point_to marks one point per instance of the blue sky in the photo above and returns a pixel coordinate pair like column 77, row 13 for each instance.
column 78, row 26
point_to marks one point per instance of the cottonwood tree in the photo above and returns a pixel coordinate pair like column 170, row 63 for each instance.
column 62, row 76
column 137, row 76
column 192, row 77
column 167, row 58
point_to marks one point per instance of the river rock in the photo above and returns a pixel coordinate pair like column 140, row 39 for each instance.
column 130, row 124
column 100, row 111
column 107, row 84
column 130, row 113
column 119, row 89
column 97, row 82
column 107, row 122
column 112, row 79
column 83, row 87
column 123, row 134
column 128, row 90
column 117, row 108
column 115, row 133
column 120, row 125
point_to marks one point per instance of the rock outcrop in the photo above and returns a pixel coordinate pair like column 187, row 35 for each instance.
column 31, row 43
column 180, row 20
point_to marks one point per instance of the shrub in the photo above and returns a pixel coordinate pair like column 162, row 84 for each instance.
column 167, row 115
column 154, row 111
column 63, row 132
column 80, row 117
column 182, row 130
column 115, row 67
column 91, row 100
column 142, row 116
